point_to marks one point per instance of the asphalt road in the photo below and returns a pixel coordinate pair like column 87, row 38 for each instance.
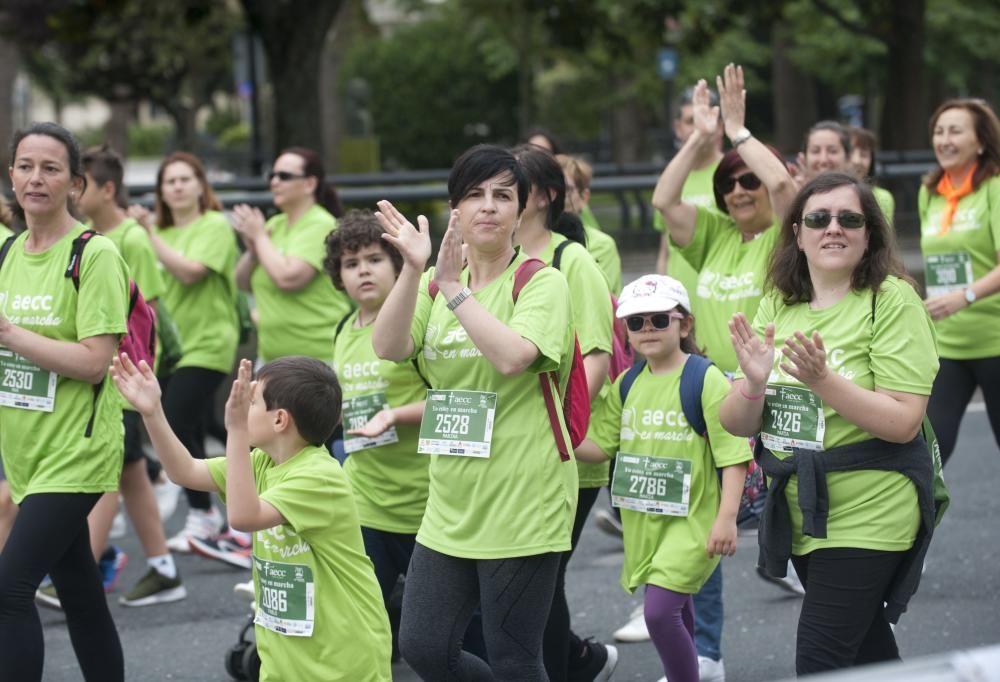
column 958, row 605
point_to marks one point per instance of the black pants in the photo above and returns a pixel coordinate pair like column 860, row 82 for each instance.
column 50, row 536
column 842, row 622
column 188, row 401
column 442, row 593
column 953, row 388
column 560, row 643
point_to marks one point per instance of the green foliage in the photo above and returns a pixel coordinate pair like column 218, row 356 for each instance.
column 149, row 141
column 961, row 46
column 235, row 136
column 221, row 119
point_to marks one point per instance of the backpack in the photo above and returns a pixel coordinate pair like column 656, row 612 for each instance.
column 622, row 355
column 139, row 340
column 941, row 496
column 576, row 402
column 692, row 383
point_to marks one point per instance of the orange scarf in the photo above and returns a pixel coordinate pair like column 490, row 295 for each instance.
column 953, row 196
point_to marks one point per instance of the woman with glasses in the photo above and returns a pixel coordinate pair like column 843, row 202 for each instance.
column 959, row 206
column 839, row 412
column 729, row 250
column 298, row 307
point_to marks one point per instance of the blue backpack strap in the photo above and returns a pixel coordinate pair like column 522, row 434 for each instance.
column 5, row 249
column 692, row 384
column 630, row 376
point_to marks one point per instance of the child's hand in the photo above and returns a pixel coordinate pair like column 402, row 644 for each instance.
column 381, row 421
column 138, row 385
column 238, row 404
column 722, row 539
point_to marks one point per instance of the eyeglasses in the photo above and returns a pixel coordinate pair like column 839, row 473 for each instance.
column 283, row 176
column 748, row 181
column 849, row 220
column 660, row 321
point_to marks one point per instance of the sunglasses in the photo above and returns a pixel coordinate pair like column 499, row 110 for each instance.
column 748, row 181
column 849, row 220
column 660, row 321
column 283, row 176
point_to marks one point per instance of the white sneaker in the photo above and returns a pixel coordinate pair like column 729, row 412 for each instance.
column 198, row 523
column 708, row 671
column 635, row 630
column 244, row 590
column 118, row 527
column 167, row 494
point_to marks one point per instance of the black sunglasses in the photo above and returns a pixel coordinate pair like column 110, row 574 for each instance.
column 849, row 220
column 660, row 321
column 748, row 181
column 283, row 176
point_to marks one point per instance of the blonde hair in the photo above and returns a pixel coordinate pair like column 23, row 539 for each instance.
column 578, row 169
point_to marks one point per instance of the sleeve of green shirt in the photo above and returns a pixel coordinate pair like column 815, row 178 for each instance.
column 542, row 315
column 307, row 498
column 903, row 361
column 214, row 245
column 605, row 423
column 706, row 226
column 421, row 313
column 726, row 448
column 137, row 250
column 102, row 305
column 993, row 201
column 591, row 301
column 308, row 241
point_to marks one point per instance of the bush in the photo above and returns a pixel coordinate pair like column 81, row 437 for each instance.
column 234, row 137
column 149, row 140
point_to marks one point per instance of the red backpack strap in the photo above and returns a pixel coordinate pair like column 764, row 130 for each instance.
column 432, row 288
column 525, row 271
column 76, row 256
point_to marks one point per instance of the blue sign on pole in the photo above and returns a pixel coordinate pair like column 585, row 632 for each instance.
column 666, row 63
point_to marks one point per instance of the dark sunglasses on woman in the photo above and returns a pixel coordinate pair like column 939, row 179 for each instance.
column 659, row 321
column 819, row 220
column 748, row 181
column 283, row 176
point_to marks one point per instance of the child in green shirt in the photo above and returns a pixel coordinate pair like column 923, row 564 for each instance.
column 314, row 586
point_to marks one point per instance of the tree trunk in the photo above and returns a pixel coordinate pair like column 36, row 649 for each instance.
column 185, row 131
column 293, row 34
column 794, row 96
column 116, row 128
column 627, row 124
column 8, row 75
column 904, row 120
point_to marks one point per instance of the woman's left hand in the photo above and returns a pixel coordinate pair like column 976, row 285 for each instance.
column 248, row 222
column 946, row 305
column 450, row 260
column 807, row 357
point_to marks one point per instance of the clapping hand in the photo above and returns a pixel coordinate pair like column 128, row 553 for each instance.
column 451, row 258
column 413, row 243
column 807, row 357
column 732, row 98
column 238, row 404
column 136, row 383
column 706, row 117
column 755, row 355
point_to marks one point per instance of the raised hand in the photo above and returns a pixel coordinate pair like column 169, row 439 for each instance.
column 807, row 357
column 706, row 117
column 414, row 243
column 248, row 222
column 732, row 98
column 141, row 215
column 238, row 404
column 451, row 257
column 137, row 384
column 380, row 422
column 755, row 355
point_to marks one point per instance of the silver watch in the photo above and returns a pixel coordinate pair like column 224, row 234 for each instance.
column 970, row 295
column 459, row 297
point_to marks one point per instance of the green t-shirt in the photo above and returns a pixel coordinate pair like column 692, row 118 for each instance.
column 662, row 550
column 205, row 312
column 137, row 250
column 886, row 202
column 974, row 331
column 731, row 275
column 390, row 481
column 698, row 191
column 592, row 320
column 5, row 232
column 868, row 509
column 522, row 499
column 603, row 248
column 298, row 322
column 62, row 450
column 321, row 534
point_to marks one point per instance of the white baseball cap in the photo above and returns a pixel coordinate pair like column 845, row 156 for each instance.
column 652, row 294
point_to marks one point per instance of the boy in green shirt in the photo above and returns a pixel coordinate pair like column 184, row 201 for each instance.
column 314, row 585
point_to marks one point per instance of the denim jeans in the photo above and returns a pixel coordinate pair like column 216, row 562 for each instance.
column 708, row 616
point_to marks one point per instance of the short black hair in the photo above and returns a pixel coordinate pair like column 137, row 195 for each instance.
column 308, row 389
column 480, row 163
column 356, row 230
column 105, row 165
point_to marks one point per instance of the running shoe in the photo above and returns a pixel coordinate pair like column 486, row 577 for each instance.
column 118, row 527
column 227, row 547
column 167, row 493
column 790, row 583
column 46, row 595
column 609, row 522
column 199, row 523
column 710, row 670
column 601, row 661
column 244, row 590
column 154, row 588
column 635, row 629
column 111, row 565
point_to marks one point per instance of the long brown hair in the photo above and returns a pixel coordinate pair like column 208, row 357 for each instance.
column 788, row 270
column 987, row 132
column 207, row 202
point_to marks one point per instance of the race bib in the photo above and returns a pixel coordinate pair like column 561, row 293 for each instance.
column 655, row 485
column 357, row 412
column 946, row 272
column 793, row 418
column 24, row 384
column 457, row 423
column 286, row 598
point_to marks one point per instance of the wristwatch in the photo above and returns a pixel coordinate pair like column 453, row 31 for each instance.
column 459, row 297
column 741, row 137
column 970, row 295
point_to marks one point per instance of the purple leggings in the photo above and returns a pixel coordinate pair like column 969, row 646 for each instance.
column 670, row 619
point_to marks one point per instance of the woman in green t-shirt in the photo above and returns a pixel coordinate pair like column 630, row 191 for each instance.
column 959, row 206
column 847, row 382
column 60, row 419
column 863, row 147
column 197, row 250
column 502, row 483
column 826, row 148
column 298, row 307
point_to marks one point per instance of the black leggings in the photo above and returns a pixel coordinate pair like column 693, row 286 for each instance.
column 50, row 536
column 188, row 401
column 953, row 388
column 842, row 622
column 442, row 593
column 560, row 643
